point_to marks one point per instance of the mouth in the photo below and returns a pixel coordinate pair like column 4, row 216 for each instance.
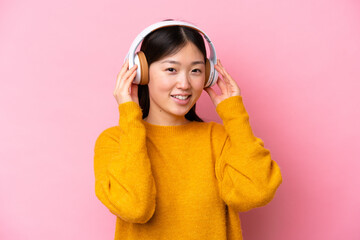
column 181, row 97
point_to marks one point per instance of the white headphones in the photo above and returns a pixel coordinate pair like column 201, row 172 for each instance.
column 142, row 72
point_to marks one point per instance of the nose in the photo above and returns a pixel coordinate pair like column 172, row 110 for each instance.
column 183, row 81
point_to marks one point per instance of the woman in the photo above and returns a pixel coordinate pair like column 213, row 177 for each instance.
column 164, row 172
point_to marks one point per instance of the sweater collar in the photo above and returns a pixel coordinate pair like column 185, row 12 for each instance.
column 169, row 130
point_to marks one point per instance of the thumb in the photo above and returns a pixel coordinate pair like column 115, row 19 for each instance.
column 211, row 93
column 134, row 93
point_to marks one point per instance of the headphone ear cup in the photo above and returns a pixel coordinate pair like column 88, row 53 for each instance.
column 144, row 69
column 207, row 71
column 212, row 74
column 137, row 77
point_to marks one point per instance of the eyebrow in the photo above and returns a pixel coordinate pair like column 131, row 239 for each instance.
column 175, row 62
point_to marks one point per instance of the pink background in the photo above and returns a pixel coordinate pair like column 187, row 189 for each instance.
column 297, row 64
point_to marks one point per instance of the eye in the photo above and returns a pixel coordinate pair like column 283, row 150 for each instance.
column 170, row 69
column 197, row 70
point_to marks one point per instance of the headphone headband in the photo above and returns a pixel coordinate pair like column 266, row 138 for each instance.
column 131, row 54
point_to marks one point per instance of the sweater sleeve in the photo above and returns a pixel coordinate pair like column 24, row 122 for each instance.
column 247, row 176
column 123, row 179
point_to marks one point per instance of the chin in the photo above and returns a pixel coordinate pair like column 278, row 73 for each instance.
column 181, row 112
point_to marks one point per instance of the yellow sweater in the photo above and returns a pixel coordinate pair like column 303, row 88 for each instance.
column 183, row 182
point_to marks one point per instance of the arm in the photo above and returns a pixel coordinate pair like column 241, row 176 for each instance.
column 123, row 179
column 247, row 176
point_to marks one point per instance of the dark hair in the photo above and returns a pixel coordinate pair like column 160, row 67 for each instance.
column 163, row 42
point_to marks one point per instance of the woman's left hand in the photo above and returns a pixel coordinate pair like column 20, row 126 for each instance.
column 227, row 85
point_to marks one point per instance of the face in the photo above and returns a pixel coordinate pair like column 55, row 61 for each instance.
column 176, row 83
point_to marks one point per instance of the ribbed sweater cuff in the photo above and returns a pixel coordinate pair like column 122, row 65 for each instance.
column 235, row 118
column 130, row 114
column 232, row 107
column 130, row 110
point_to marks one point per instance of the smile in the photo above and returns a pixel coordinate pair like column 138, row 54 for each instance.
column 181, row 97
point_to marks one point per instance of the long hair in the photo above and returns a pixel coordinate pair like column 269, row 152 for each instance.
column 164, row 42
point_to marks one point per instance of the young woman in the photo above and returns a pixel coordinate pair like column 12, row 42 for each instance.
column 164, row 172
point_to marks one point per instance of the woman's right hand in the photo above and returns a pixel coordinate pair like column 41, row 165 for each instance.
column 125, row 90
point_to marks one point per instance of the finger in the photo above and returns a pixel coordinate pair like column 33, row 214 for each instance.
column 220, row 70
column 228, row 80
column 129, row 80
column 134, row 92
column 223, row 73
column 211, row 93
column 226, row 74
column 222, row 85
column 127, row 75
column 231, row 83
column 123, row 69
column 122, row 83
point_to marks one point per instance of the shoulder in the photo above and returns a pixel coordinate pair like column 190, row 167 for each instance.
column 108, row 136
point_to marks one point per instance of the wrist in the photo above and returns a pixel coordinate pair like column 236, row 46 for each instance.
column 123, row 100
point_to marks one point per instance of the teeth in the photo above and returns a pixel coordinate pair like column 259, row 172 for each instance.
column 181, row 97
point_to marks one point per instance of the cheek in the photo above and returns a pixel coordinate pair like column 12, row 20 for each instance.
column 198, row 86
column 159, row 84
